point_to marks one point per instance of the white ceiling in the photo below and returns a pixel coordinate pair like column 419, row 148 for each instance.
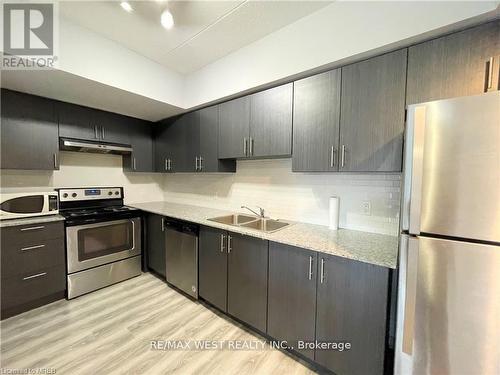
column 204, row 31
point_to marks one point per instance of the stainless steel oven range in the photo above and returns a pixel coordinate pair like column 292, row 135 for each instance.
column 103, row 238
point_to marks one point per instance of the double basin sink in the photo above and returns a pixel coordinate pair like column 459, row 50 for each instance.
column 251, row 222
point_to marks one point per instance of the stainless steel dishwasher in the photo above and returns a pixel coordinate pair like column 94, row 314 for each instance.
column 181, row 256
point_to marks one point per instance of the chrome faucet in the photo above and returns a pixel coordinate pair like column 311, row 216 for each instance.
column 261, row 214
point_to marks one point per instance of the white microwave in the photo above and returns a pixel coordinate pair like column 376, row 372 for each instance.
column 20, row 205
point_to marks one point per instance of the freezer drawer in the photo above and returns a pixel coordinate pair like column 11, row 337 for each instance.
column 452, row 168
column 448, row 308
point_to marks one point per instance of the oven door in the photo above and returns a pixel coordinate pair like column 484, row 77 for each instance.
column 92, row 245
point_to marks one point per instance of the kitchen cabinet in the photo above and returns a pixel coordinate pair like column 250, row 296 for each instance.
column 258, row 125
column 33, row 266
column 90, row 124
column 209, row 143
column 212, row 272
column 316, row 116
column 155, row 242
column 373, row 114
column 454, row 65
column 141, row 140
column 171, row 145
column 352, row 308
column 234, row 124
column 233, row 274
column 247, row 279
column 292, row 295
column 271, row 122
column 29, row 132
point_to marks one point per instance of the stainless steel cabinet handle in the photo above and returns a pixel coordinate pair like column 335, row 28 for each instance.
column 96, row 135
column 332, row 157
column 322, row 271
column 102, row 132
column 166, row 164
column 251, row 146
column 55, row 160
column 169, row 164
column 201, row 163
column 163, row 224
column 310, row 267
column 35, row 276
column 32, row 228
column 229, row 239
column 133, row 163
column 342, row 157
column 32, row 247
column 245, row 146
column 196, row 164
column 489, row 77
column 222, row 239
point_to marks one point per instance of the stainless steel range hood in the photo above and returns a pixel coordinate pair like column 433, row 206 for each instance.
column 98, row 148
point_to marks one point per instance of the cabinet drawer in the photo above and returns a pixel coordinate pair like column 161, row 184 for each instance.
column 27, row 287
column 21, row 259
column 32, row 233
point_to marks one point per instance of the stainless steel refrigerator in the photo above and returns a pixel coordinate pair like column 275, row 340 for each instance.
column 449, row 267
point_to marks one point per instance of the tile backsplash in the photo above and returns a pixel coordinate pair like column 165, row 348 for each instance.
column 295, row 196
column 267, row 183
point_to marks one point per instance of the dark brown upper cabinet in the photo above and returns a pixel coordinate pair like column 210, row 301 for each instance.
column 141, row 140
column 459, row 64
column 171, row 137
column 316, row 115
column 90, row 124
column 372, row 114
column 234, row 125
column 29, row 132
column 271, row 122
column 257, row 126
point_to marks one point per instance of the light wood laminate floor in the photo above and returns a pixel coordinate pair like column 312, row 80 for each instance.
column 110, row 331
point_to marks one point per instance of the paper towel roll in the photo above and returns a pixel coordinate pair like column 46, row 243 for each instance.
column 334, row 213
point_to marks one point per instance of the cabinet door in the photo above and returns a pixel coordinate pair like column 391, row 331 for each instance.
column 292, row 295
column 316, row 115
column 112, row 127
column 247, row 279
column 141, row 140
column 234, row 121
column 351, row 308
column 29, row 132
column 212, row 269
column 190, row 139
column 77, row 122
column 372, row 114
column 155, row 239
column 271, row 122
column 169, row 144
column 454, row 65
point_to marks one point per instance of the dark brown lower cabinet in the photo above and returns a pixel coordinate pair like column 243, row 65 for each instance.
column 292, row 295
column 155, row 242
column 33, row 266
column 247, row 279
column 351, row 308
column 212, row 268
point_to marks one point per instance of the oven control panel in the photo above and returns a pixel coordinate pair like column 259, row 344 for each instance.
column 85, row 194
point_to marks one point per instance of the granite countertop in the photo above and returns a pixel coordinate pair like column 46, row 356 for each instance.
column 30, row 220
column 378, row 249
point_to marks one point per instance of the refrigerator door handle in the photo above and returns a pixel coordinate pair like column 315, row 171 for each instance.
column 414, row 175
column 410, row 294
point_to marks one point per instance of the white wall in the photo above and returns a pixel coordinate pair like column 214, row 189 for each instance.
column 332, row 34
column 82, row 169
column 294, row 196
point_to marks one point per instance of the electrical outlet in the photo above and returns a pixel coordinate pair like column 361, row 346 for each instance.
column 366, row 207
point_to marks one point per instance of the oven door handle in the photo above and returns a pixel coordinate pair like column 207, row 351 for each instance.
column 133, row 235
